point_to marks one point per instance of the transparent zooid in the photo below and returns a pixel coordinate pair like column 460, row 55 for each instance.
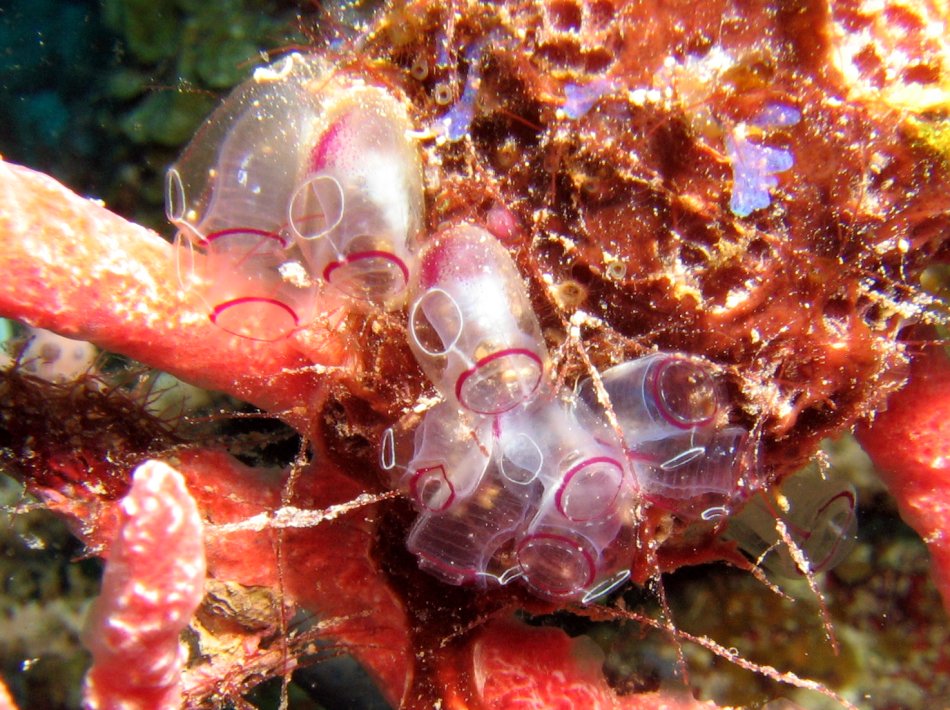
column 470, row 543
column 228, row 196
column 451, row 453
column 819, row 512
column 670, row 411
column 471, row 325
column 697, row 473
column 583, row 470
column 656, row 396
column 568, row 549
column 357, row 213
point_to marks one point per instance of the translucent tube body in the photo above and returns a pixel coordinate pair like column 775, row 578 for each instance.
column 228, row 195
column 670, row 411
column 695, row 473
column 471, row 324
column 471, row 542
column 657, row 396
column 358, row 212
column 819, row 512
column 450, row 457
column 568, row 548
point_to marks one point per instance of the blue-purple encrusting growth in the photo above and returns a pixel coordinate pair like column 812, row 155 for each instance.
column 456, row 122
column 754, row 165
column 580, row 98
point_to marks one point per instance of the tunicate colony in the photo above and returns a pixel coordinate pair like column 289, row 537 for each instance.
column 308, row 181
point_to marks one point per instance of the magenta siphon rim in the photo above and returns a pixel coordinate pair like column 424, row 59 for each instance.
column 414, row 487
column 369, row 254
column 222, row 307
column 460, row 383
column 245, row 230
column 576, row 469
column 665, row 412
column 591, row 565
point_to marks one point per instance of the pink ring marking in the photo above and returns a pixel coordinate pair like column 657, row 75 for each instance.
column 834, row 548
column 491, row 358
column 565, row 541
column 574, row 470
column 439, row 470
column 244, row 230
column 669, row 416
column 369, row 254
column 222, row 307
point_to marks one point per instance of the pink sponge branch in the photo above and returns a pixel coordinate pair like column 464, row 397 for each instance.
column 72, row 266
column 154, row 581
column 910, row 445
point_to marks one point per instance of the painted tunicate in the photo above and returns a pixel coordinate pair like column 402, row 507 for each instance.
column 541, row 499
column 450, row 457
column 358, row 212
column 657, row 396
column 228, row 195
column 819, row 512
column 467, row 544
column 471, row 325
column 670, row 410
column 695, row 472
column 582, row 468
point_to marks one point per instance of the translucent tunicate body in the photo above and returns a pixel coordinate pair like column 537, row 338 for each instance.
column 470, row 543
column 358, row 212
column 819, row 515
column 569, row 547
column 670, row 412
column 695, row 473
column 471, row 324
column 450, row 456
column 529, row 495
column 228, row 196
column 657, row 396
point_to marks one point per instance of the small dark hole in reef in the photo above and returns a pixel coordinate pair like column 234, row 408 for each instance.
column 718, row 283
column 838, row 308
column 758, row 250
column 565, row 15
column 921, row 74
column 693, row 256
column 601, row 12
column 870, row 64
column 562, row 52
column 872, row 314
column 674, row 146
column 903, row 17
column 815, row 418
column 598, row 60
column 259, row 441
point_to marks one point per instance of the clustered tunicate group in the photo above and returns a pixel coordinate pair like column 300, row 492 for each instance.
column 308, row 181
